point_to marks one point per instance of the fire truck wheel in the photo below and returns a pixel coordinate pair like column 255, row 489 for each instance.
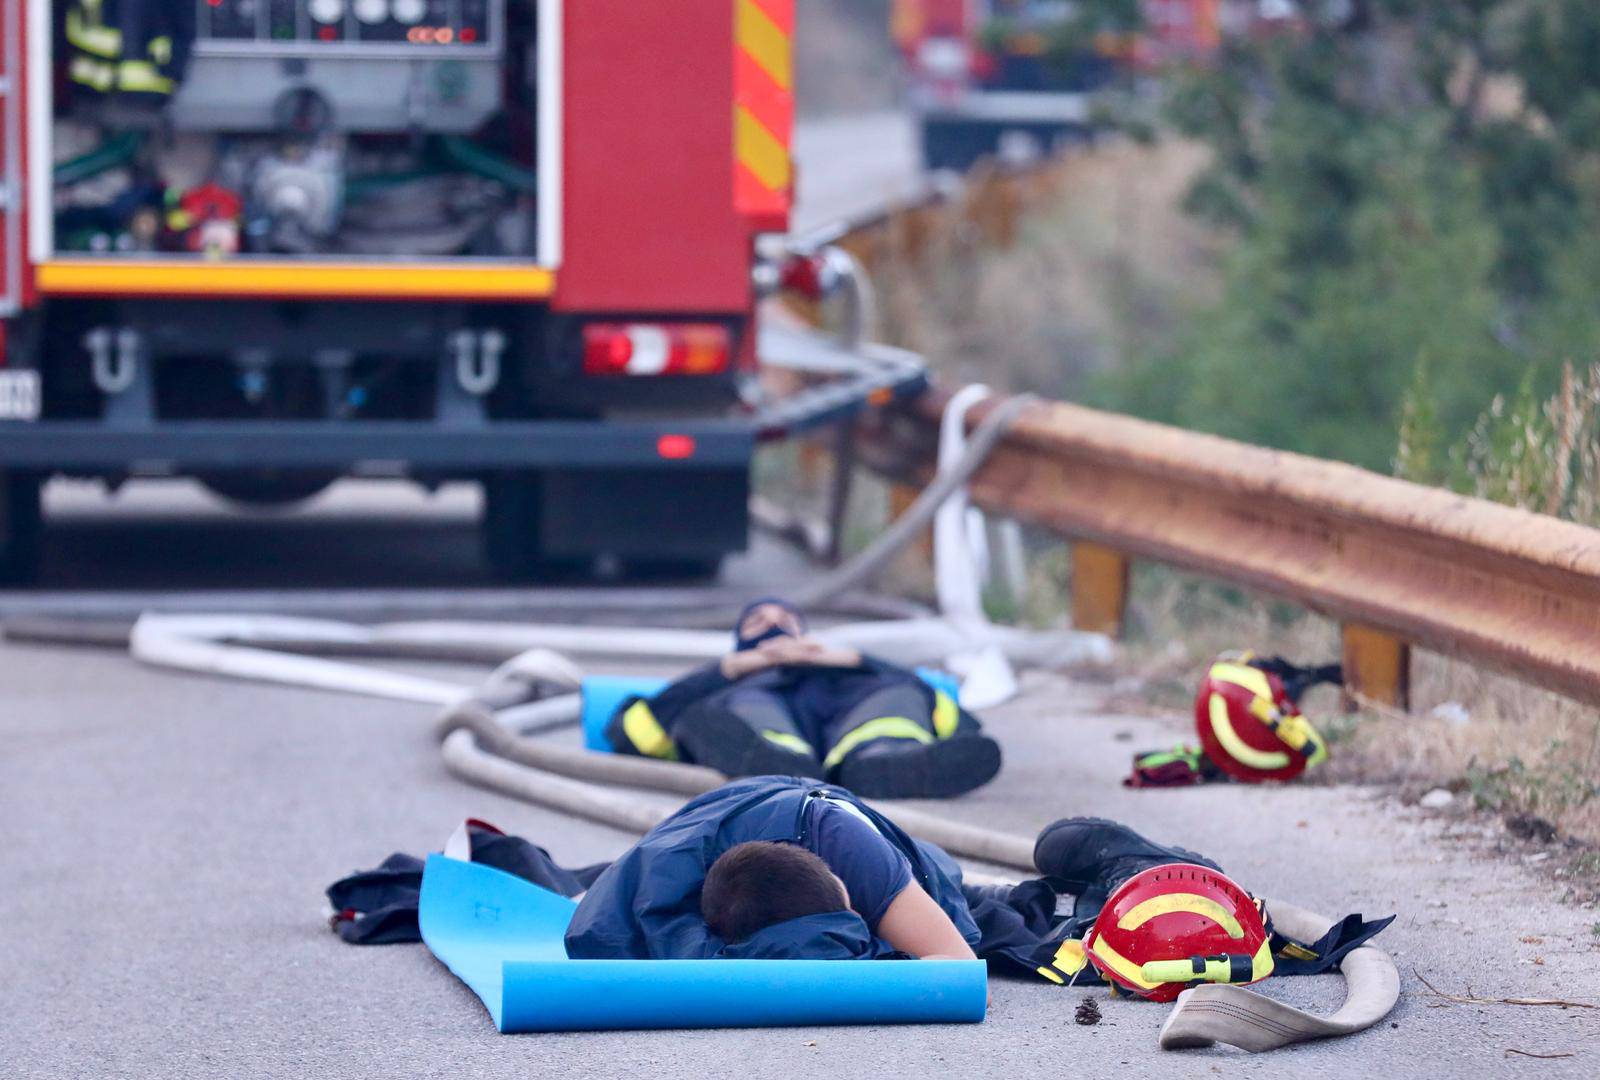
column 20, row 524
column 275, row 487
column 510, row 532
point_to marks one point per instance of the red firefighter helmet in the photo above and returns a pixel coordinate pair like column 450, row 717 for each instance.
column 1172, row 926
column 1250, row 727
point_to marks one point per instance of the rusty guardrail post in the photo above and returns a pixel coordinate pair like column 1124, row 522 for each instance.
column 1100, row 577
column 1377, row 666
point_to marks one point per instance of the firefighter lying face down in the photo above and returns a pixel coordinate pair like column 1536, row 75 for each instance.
column 777, row 867
column 785, row 703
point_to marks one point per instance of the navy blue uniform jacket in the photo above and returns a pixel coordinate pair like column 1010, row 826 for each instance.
column 646, row 905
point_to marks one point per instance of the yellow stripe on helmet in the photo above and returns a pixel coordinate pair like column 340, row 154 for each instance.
column 1237, row 748
column 1192, row 903
column 1252, row 679
column 1120, row 964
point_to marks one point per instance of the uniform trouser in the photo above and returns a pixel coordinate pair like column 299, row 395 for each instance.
column 894, row 716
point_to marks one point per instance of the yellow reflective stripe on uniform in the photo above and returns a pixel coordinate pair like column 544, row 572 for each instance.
column 1237, row 748
column 143, row 77
column 96, row 74
column 884, row 727
column 1192, row 903
column 788, row 741
column 160, row 50
column 946, row 714
column 1252, row 679
column 93, row 36
column 1295, row 951
column 646, row 734
column 1071, row 957
column 1052, row 976
column 1120, row 964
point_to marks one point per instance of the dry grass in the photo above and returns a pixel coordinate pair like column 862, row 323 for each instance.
column 1106, row 266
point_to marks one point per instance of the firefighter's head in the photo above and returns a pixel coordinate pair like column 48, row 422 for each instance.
column 765, row 619
column 759, row 884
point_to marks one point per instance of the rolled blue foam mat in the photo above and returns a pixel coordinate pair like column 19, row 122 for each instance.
column 601, row 694
column 503, row 937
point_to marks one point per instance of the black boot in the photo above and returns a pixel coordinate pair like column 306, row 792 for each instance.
column 1091, row 856
column 901, row 769
column 721, row 741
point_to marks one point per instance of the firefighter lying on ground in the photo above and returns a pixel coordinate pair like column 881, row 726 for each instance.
column 787, row 704
column 777, row 867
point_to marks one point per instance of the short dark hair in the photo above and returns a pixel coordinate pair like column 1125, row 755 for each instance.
column 757, row 884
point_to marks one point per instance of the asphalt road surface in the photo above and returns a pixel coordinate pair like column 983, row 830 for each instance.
column 169, row 837
column 362, row 548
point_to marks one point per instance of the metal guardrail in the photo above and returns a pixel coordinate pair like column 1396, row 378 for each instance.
column 1397, row 562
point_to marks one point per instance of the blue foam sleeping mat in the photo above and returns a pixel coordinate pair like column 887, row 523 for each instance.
column 503, row 937
column 601, row 694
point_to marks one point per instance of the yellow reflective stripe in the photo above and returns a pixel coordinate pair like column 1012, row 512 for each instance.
column 1261, row 964
column 1295, row 951
column 1052, row 976
column 1252, row 679
column 1192, row 903
column 946, row 714
column 1214, row 969
column 759, row 150
column 1120, row 964
column 96, row 74
column 93, row 36
column 765, row 41
column 161, row 50
column 884, row 727
column 788, row 741
column 1071, row 956
column 646, row 734
column 1237, row 748
column 142, row 76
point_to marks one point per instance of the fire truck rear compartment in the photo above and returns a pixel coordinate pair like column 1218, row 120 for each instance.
column 360, row 129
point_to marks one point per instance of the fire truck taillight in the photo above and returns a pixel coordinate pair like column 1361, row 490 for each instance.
column 655, row 349
column 675, row 447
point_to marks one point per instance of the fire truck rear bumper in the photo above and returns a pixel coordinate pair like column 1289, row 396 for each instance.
column 373, row 447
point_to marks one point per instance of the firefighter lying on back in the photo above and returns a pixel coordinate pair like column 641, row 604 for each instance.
column 785, row 703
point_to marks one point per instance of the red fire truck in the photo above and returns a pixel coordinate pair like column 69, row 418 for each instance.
column 269, row 243
column 982, row 74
